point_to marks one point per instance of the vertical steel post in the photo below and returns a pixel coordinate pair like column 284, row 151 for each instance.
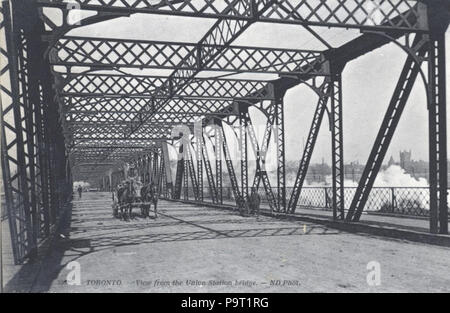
column 280, row 142
column 180, row 173
column 243, row 113
column 437, row 134
column 167, row 168
column 218, row 142
column 199, row 156
column 209, row 173
column 20, row 207
column 337, row 147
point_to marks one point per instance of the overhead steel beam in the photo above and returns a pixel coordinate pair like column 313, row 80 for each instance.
column 142, row 107
column 110, row 53
column 134, row 86
column 344, row 54
column 394, row 20
column 349, row 14
column 222, row 33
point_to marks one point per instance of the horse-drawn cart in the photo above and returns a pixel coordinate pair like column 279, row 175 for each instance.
column 126, row 197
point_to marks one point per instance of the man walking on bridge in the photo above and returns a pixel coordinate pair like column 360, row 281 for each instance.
column 254, row 201
column 80, row 191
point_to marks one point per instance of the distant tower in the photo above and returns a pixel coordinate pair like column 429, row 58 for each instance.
column 391, row 161
column 405, row 159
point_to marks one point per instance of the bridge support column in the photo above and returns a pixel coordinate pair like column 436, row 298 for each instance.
column 337, row 147
column 243, row 125
column 438, row 134
column 278, row 104
column 218, row 155
column 229, row 163
column 198, row 137
column 167, row 168
column 209, row 172
column 180, row 173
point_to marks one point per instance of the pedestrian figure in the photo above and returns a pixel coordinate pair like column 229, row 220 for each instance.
column 243, row 205
column 254, row 201
column 80, row 191
column 155, row 197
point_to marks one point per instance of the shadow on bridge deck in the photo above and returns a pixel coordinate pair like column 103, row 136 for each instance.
column 200, row 244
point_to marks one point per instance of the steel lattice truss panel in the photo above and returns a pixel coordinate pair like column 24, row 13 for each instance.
column 110, row 106
column 394, row 14
column 135, row 108
column 115, row 53
column 90, row 85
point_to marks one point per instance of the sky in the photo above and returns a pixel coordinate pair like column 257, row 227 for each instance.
column 368, row 83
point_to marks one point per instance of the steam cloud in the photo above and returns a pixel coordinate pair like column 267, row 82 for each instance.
column 83, row 184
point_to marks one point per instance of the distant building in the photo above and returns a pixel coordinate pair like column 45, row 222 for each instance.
column 405, row 159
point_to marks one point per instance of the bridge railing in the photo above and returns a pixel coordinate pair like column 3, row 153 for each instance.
column 412, row 201
column 404, row 201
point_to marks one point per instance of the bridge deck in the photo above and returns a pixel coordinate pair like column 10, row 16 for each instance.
column 188, row 242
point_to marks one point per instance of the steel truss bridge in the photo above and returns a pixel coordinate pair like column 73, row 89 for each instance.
column 71, row 112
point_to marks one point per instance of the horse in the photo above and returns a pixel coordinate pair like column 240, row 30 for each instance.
column 126, row 195
column 149, row 195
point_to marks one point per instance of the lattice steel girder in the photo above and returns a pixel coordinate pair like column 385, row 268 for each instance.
column 112, row 53
column 15, row 131
column 142, row 106
column 332, row 13
column 81, row 117
column 118, row 143
column 342, row 55
column 99, row 85
column 210, row 47
column 102, row 150
column 96, row 146
column 120, row 132
column 121, row 124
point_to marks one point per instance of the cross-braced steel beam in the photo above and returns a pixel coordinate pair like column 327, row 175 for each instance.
column 109, row 53
column 135, row 86
column 361, row 14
